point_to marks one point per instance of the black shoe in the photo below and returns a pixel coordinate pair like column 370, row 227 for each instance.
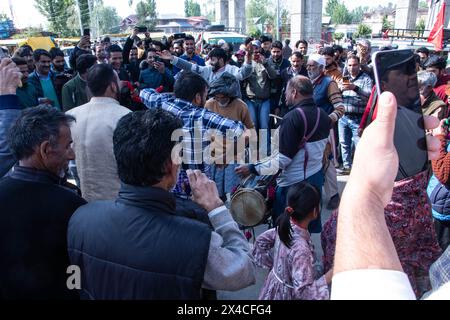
column 333, row 204
column 343, row 172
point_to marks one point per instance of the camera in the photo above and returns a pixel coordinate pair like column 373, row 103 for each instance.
column 142, row 29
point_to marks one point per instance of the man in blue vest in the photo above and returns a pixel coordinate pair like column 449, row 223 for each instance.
column 328, row 97
column 136, row 247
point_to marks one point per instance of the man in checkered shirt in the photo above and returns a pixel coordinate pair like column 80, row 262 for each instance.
column 187, row 104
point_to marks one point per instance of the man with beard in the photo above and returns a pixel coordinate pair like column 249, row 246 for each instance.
column 331, row 68
column 43, row 79
column 266, row 45
column 26, row 94
column 26, row 52
column 328, row 97
column 130, row 54
column 189, row 55
column 178, row 49
column 436, row 65
column 279, row 64
column 217, row 66
column 93, row 132
column 303, row 135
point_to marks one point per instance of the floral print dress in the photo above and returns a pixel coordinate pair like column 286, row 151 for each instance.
column 410, row 223
column 292, row 275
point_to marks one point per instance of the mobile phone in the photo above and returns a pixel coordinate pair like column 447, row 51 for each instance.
column 87, row 32
column 157, row 59
column 346, row 79
column 142, row 29
column 395, row 71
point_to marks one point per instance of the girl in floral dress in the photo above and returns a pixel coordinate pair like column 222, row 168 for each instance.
column 289, row 253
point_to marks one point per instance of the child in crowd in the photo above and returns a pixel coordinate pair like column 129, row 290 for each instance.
column 288, row 252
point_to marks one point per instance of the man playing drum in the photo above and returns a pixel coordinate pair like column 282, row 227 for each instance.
column 303, row 135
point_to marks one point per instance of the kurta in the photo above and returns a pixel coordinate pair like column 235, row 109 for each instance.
column 92, row 135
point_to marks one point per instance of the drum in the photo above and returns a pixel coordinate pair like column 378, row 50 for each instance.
column 251, row 204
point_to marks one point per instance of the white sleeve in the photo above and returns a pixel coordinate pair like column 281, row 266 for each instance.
column 371, row 284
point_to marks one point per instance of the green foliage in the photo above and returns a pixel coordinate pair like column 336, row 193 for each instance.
column 259, row 9
column 146, row 12
column 358, row 14
column 108, row 19
column 421, row 25
column 254, row 32
column 56, row 12
column 363, row 31
column 3, row 17
column 191, row 8
column 386, row 24
column 338, row 36
column 423, row 5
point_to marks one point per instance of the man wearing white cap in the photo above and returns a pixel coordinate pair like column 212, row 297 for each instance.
column 328, row 97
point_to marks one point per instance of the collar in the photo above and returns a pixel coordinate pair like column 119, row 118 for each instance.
column 104, row 100
column 35, row 175
column 40, row 76
column 148, row 198
column 308, row 102
column 318, row 79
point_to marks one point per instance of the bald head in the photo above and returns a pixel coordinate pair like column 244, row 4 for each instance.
column 298, row 89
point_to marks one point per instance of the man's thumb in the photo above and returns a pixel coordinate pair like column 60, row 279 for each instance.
column 386, row 115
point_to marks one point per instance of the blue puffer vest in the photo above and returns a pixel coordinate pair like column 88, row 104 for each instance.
column 439, row 196
column 136, row 248
column 321, row 94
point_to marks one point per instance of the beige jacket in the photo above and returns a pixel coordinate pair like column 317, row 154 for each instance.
column 92, row 135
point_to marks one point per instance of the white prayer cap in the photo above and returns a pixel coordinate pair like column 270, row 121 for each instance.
column 317, row 58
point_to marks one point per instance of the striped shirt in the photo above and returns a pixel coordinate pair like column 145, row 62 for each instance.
column 196, row 136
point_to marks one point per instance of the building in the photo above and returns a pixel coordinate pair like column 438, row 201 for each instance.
column 171, row 23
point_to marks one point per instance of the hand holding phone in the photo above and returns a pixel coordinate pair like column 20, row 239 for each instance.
column 395, row 71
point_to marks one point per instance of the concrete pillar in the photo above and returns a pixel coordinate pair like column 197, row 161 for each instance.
column 406, row 14
column 433, row 13
column 237, row 16
column 306, row 20
column 222, row 15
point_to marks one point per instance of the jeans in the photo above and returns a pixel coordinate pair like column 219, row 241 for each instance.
column 280, row 204
column 259, row 111
column 225, row 178
column 348, row 137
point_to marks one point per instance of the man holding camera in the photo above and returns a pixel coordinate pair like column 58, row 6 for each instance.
column 356, row 89
column 156, row 74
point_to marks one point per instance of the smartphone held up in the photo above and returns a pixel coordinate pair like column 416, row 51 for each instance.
column 395, row 71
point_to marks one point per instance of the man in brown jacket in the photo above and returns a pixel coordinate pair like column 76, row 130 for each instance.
column 432, row 105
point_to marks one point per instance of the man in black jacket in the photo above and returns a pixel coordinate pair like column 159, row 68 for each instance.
column 36, row 204
column 136, row 247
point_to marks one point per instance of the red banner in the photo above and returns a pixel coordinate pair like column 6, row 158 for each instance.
column 437, row 33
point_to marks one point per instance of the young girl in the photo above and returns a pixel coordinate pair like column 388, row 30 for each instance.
column 292, row 275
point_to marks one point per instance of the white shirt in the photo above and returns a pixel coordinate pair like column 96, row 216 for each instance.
column 375, row 284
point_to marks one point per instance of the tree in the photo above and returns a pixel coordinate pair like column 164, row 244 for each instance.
column 56, row 13
column 191, row 9
column 363, row 31
column 3, row 17
column 338, row 36
column 386, row 25
column 338, row 12
column 108, row 19
column 209, row 10
column 262, row 10
column 146, row 12
column 423, row 5
column 357, row 14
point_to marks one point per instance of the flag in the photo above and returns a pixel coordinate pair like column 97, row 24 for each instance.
column 437, row 33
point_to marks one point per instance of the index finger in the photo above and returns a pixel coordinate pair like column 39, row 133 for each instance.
column 192, row 177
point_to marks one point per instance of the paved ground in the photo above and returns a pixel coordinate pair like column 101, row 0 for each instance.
column 251, row 293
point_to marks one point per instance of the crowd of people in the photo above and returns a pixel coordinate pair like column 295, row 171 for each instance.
column 146, row 215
